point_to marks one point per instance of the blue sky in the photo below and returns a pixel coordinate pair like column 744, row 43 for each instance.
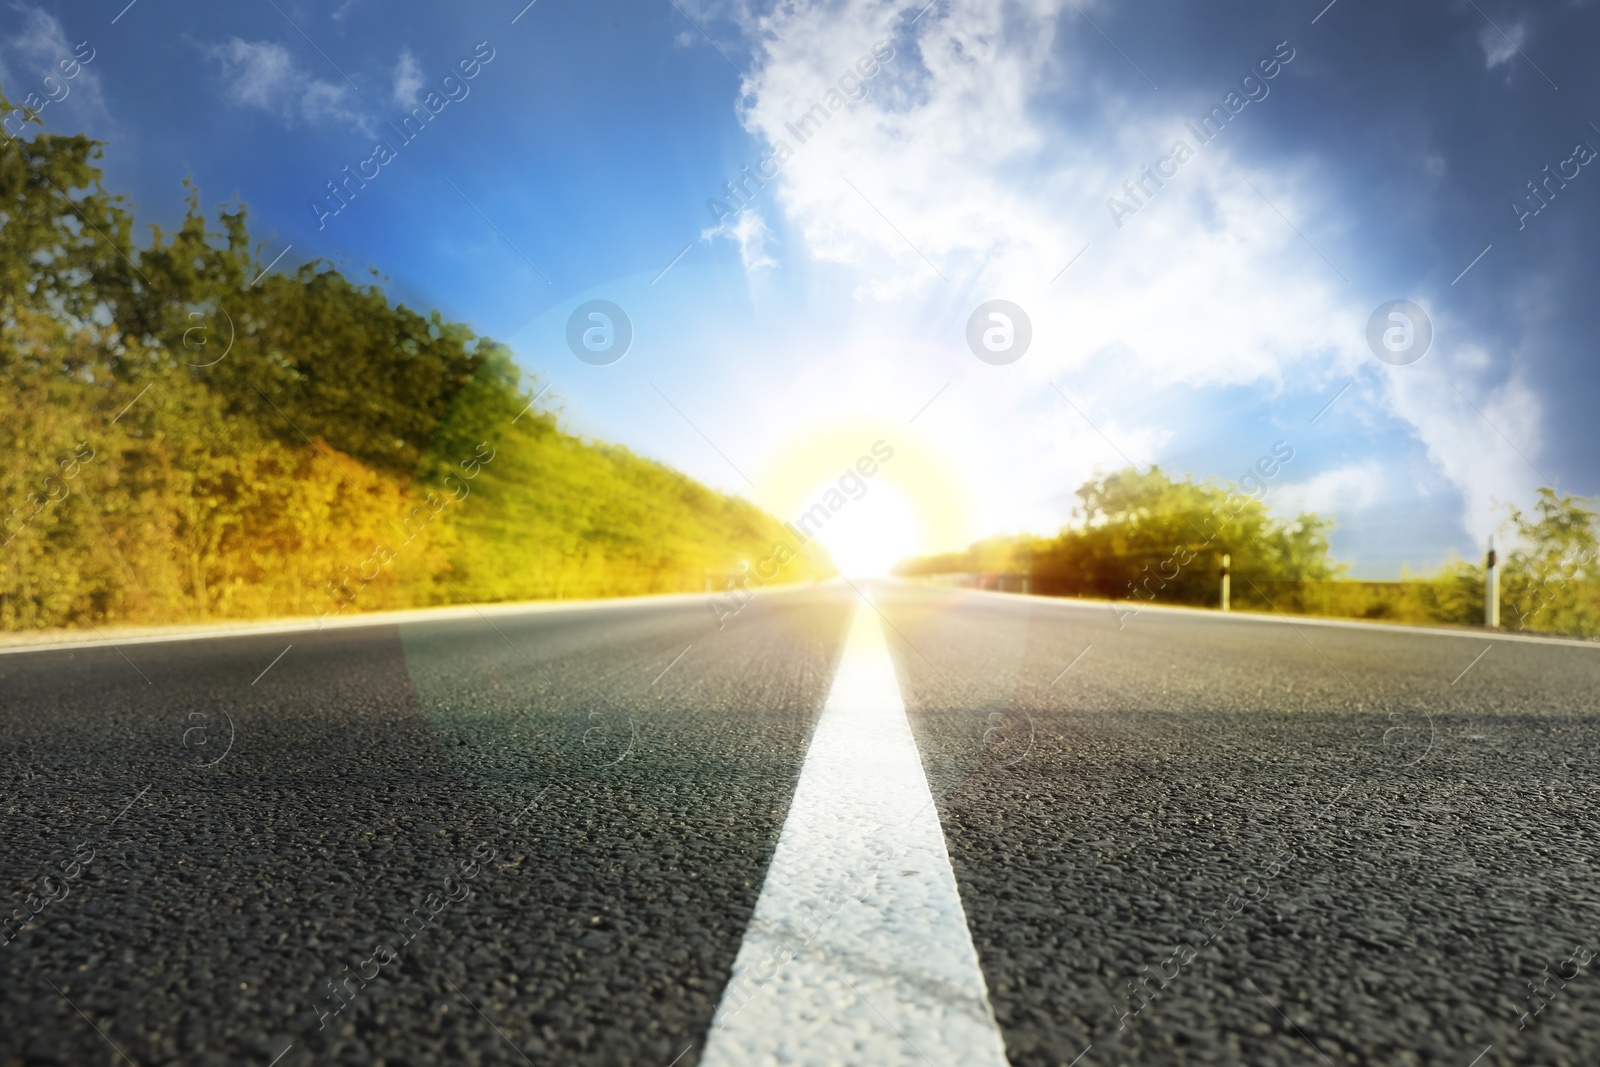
column 1220, row 317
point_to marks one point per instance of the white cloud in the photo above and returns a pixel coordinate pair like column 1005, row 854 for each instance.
column 1484, row 437
column 262, row 74
column 408, row 79
column 749, row 231
column 42, row 41
column 956, row 154
column 1500, row 47
column 1333, row 493
column 36, row 52
column 946, row 159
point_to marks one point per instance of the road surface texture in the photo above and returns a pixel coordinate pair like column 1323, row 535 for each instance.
column 1031, row 831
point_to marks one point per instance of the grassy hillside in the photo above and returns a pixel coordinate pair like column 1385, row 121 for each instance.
column 187, row 438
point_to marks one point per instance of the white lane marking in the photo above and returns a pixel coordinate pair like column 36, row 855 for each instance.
column 858, row 952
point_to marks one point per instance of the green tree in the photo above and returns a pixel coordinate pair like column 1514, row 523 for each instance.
column 62, row 236
column 1550, row 576
column 188, row 436
column 1151, row 537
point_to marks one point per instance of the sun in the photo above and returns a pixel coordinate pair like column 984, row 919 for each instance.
column 874, row 533
column 870, row 494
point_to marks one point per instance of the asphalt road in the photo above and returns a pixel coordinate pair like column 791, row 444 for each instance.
column 541, row 837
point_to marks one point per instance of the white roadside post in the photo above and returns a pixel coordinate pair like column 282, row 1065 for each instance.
column 1225, row 561
column 1491, row 588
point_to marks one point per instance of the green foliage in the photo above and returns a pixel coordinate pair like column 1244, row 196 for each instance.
column 1454, row 594
column 1150, row 538
column 1551, row 580
column 1155, row 539
column 53, row 245
column 189, row 438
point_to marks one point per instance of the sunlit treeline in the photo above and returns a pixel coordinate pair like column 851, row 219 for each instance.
column 186, row 436
column 1151, row 538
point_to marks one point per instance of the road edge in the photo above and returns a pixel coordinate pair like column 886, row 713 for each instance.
column 1125, row 611
column 63, row 639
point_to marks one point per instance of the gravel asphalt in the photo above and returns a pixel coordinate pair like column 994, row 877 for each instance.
column 1247, row 840
column 539, row 837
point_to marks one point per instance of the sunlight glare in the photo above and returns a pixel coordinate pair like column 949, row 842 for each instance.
column 874, row 533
